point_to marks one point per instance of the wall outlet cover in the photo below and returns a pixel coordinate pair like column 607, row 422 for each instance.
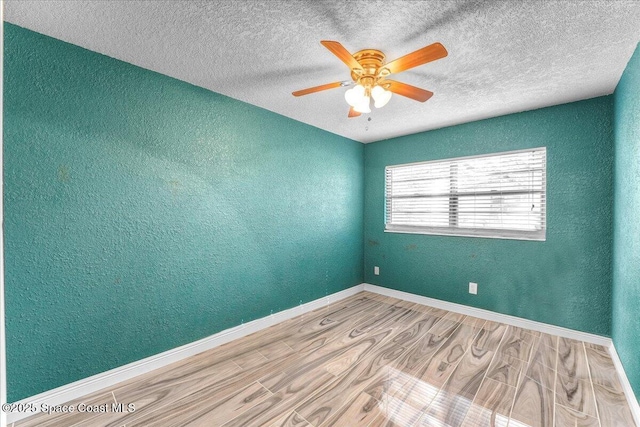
column 473, row 288
column 376, row 270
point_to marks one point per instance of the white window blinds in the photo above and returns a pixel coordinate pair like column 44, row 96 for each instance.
column 499, row 195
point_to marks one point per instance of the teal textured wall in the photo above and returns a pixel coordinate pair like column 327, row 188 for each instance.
column 626, row 225
column 143, row 213
column 565, row 280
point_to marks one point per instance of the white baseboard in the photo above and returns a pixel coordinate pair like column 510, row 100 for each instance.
column 626, row 385
column 523, row 323
column 112, row 377
column 97, row 382
column 491, row 315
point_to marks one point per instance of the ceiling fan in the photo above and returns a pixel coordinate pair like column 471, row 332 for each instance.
column 369, row 73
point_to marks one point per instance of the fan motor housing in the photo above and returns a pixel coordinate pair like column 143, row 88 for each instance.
column 371, row 61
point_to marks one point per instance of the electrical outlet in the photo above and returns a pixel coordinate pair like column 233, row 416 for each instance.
column 376, row 270
column 473, row 288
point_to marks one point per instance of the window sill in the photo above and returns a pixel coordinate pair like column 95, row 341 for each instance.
column 539, row 236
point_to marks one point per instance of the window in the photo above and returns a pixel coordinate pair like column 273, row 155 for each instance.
column 499, row 195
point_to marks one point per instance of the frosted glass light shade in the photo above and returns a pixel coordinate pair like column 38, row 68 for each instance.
column 355, row 95
column 376, row 92
column 363, row 105
column 380, row 96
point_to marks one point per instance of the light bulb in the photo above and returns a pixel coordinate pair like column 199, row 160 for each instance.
column 354, row 95
column 380, row 96
column 363, row 105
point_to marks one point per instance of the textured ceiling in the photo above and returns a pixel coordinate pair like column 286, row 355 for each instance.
column 504, row 56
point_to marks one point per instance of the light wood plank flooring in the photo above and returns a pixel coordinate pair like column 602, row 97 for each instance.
column 374, row 361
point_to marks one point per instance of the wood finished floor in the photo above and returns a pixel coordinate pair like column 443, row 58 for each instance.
column 374, row 361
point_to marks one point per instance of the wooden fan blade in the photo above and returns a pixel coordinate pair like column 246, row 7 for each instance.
column 419, row 57
column 343, row 54
column 317, row 89
column 407, row 90
column 353, row 113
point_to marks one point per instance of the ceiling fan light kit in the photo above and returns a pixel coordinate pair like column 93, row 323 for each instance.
column 369, row 73
column 359, row 97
